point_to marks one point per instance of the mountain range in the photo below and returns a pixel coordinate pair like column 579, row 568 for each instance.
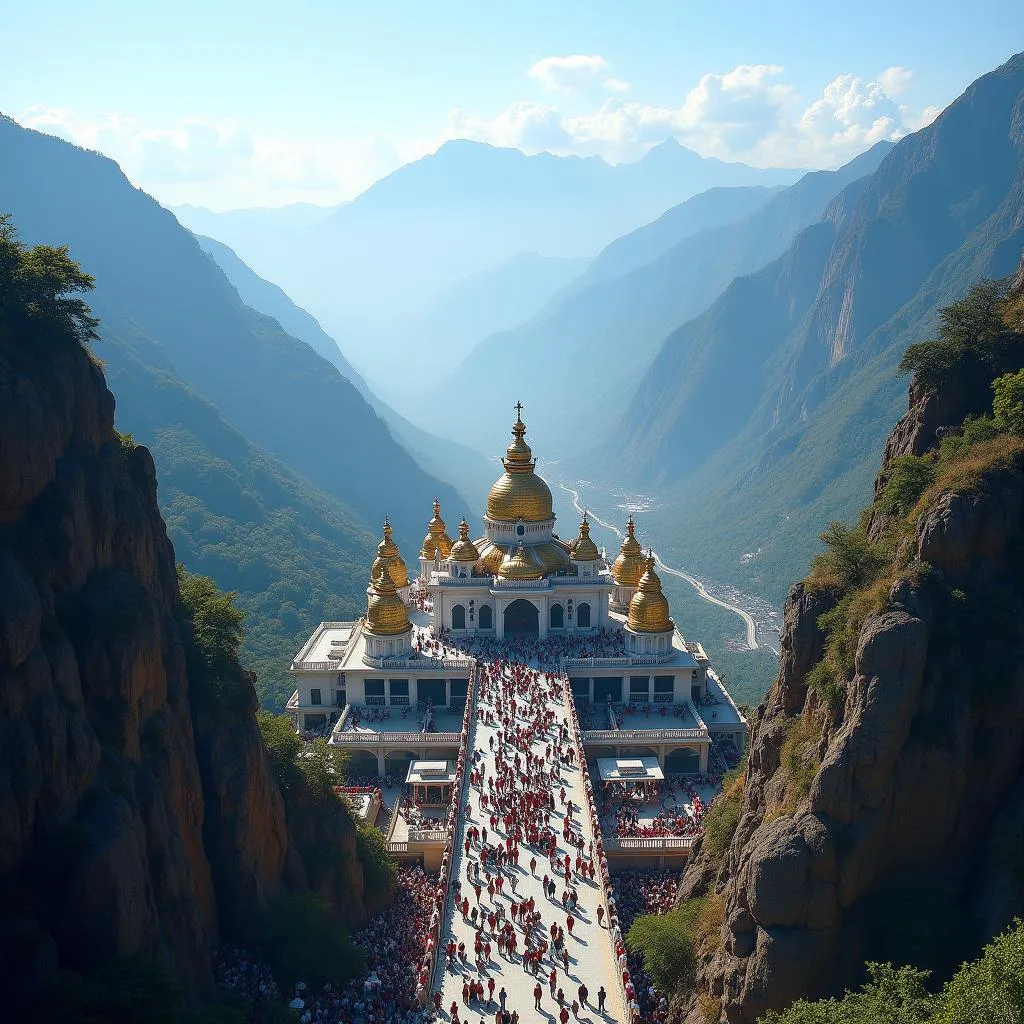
column 596, row 338
column 770, row 407
column 372, row 270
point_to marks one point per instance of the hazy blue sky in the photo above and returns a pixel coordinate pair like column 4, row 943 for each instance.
column 226, row 103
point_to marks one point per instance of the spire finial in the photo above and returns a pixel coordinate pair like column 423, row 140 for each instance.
column 519, row 411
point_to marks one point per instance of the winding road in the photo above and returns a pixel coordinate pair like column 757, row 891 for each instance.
column 702, row 591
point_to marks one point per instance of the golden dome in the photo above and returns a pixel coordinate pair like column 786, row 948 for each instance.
column 583, row 548
column 630, row 563
column 464, row 550
column 549, row 557
column 648, row 608
column 386, row 615
column 519, row 493
column 517, row 565
column 388, row 556
column 437, row 542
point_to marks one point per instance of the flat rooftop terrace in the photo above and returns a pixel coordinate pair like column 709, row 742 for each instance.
column 652, row 716
column 375, row 720
column 715, row 706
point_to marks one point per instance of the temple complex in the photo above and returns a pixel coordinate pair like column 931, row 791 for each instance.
column 393, row 686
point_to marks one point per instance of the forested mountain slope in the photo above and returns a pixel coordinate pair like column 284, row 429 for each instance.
column 464, row 467
column 882, row 808
column 769, row 407
column 266, row 384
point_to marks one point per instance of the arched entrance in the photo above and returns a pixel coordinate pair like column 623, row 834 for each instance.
column 682, row 761
column 522, row 619
column 396, row 763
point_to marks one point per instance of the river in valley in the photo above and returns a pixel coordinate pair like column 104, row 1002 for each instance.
column 740, row 631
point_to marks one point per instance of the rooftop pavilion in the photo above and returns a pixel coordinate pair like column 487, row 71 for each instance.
column 634, row 771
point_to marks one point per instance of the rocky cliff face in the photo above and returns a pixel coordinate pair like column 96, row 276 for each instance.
column 128, row 822
column 916, row 774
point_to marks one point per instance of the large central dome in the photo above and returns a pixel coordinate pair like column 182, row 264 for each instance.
column 519, row 493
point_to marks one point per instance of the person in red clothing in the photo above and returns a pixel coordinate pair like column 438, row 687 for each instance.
column 563, row 1016
column 552, row 978
column 569, row 923
column 490, row 991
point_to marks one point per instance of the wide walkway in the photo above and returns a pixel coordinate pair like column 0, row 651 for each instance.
column 589, row 947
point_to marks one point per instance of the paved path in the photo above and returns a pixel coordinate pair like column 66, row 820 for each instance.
column 590, row 952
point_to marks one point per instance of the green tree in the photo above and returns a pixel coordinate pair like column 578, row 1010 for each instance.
column 214, row 621
column 970, row 331
column 850, row 560
column 1008, row 404
column 304, row 943
column 990, row 989
column 665, row 941
column 211, row 630
column 909, row 476
column 380, row 873
column 37, row 286
column 283, row 748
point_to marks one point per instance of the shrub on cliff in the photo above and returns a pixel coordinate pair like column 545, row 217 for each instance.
column 892, row 996
column 211, row 630
column 380, row 873
column 990, row 989
column 37, row 288
column 723, row 816
column 666, row 943
column 971, row 336
column 1008, row 404
column 303, row 942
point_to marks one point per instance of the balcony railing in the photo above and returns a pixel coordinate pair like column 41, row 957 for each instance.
column 423, row 662
column 623, row 661
column 317, row 666
column 624, row 735
column 412, row 739
column 657, row 844
column 500, row 584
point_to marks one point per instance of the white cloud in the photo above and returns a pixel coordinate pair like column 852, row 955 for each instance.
column 224, row 165
column 751, row 113
column 576, row 73
column 895, row 80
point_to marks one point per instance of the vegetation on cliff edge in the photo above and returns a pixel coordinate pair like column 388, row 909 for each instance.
column 988, row 989
column 38, row 286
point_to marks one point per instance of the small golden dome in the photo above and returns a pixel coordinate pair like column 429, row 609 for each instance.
column 516, row 565
column 464, row 550
column 630, row 563
column 519, row 493
column 583, row 548
column 388, row 556
column 648, row 608
column 386, row 615
column 437, row 542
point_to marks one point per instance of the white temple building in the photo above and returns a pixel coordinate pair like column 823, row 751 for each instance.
column 607, row 625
